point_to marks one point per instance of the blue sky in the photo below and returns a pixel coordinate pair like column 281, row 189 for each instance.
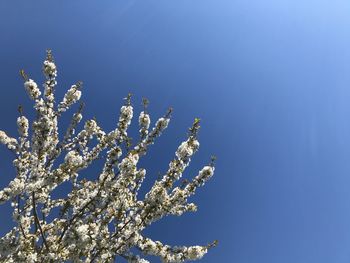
column 269, row 79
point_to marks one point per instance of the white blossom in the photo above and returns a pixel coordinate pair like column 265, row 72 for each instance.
column 32, row 89
column 103, row 215
column 126, row 114
column 144, row 120
column 184, row 151
column 11, row 143
column 91, row 127
column 71, row 97
column 162, row 123
column 73, row 158
column 204, row 175
column 23, row 125
column 196, row 252
column 50, row 68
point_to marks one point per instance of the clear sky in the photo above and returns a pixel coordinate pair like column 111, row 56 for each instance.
column 269, row 79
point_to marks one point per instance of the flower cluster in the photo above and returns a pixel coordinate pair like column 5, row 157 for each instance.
column 144, row 120
column 101, row 218
column 11, row 143
column 70, row 98
column 32, row 89
column 49, row 66
column 172, row 254
column 23, row 126
column 73, row 159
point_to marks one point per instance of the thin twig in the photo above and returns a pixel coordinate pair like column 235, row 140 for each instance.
column 37, row 223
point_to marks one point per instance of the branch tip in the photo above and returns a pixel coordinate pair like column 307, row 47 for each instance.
column 23, row 75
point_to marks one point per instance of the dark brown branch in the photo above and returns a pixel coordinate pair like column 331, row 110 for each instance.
column 19, row 212
column 37, row 223
column 121, row 245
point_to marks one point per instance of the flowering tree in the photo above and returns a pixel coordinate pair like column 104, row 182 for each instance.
column 99, row 219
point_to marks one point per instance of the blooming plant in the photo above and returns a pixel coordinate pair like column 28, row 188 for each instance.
column 102, row 218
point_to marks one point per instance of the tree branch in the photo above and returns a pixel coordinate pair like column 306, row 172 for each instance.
column 37, row 222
